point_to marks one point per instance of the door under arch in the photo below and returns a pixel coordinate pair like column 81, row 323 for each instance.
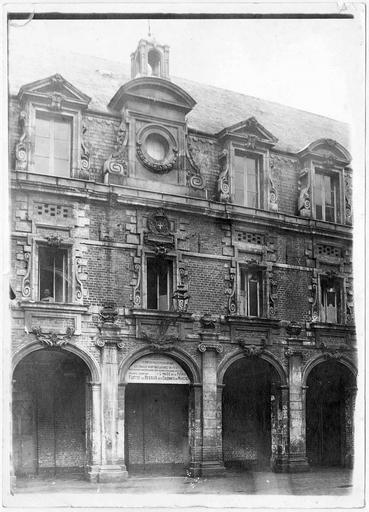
column 329, row 415
column 49, row 413
column 247, row 413
column 157, row 417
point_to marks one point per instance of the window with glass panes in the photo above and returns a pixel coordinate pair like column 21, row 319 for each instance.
column 53, row 136
column 159, row 280
column 251, row 292
column 53, row 274
column 326, row 197
column 330, row 300
column 246, row 180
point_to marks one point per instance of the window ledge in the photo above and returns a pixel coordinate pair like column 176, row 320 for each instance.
column 254, row 321
column 325, row 326
column 53, row 306
column 159, row 314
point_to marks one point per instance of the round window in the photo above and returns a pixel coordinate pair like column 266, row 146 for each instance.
column 156, row 146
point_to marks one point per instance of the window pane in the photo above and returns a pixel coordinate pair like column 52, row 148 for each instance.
column 253, row 294
column 42, row 126
column 46, row 272
column 60, row 271
column 239, row 179
column 61, row 149
column 163, row 286
column 61, row 130
column 42, row 164
column 61, row 167
column 42, row 146
column 151, row 284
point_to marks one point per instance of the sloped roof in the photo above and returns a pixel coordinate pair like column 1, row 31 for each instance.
column 215, row 110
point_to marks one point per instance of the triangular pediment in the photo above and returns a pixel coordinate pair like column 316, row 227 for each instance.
column 51, row 86
column 328, row 150
column 153, row 89
column 249, row 128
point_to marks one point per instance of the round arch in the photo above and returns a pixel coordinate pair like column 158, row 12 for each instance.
column 82, row 354
column 181, row 357
column 239, row 354
column 323, row 359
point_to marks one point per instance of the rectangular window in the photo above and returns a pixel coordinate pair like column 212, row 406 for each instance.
column 326, row 196
column 53, row 274
column 159, row 283
column 330, row 301
column 251, row 292
column 246, row 180
column 53, row 144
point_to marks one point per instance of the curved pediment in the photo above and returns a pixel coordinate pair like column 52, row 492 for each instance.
column 153, row 89
column 327, row 150
column 54, row 88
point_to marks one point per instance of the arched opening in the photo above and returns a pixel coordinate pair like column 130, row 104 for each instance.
column 157, row 416
column 251, row 400
column 50, row 414
column 154, row 63
column 329, row 415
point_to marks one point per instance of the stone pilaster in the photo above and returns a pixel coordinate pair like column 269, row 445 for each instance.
column 279, row 424
column 297, row 460
column 112, row 468
column 349, row 412
column 195, row 433
column 211, row 464
column 94, row 431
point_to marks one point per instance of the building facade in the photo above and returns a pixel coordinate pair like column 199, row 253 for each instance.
column 181, row 263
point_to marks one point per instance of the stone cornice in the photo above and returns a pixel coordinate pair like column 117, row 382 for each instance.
column 93, row 191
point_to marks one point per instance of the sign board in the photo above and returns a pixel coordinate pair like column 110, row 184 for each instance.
column 157, row 369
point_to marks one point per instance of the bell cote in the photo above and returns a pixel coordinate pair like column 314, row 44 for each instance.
column 150, row 59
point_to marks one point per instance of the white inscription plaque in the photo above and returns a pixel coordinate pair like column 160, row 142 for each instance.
column 157, row 369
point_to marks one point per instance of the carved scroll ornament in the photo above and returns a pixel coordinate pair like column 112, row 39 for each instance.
column 195, row 180
column 304, row 187
column 52, row 339
column 313, row 299
column 231, row 292
column 117, row 163
column 84, row 171
column 26, row 282
column 22, row 147
column 348, row 198
column 223, row 180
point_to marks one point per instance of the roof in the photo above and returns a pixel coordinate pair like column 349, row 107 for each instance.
column 215, row 110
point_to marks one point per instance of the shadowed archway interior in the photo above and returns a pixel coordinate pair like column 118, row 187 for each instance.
column 329, row 413
column 247, row 413
column 50, row 413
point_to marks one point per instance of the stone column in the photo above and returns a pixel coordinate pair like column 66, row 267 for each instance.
column 195, row 429
column 211, row 464
column 95, row 432
column 297, row 424
column 112, row 468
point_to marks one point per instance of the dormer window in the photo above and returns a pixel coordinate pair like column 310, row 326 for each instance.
column 326, row 196
column 53, row 138
column 246, row 180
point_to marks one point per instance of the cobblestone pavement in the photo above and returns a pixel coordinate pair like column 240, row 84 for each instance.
column 316, row 482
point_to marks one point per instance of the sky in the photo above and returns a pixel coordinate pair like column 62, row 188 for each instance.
column 316, row 65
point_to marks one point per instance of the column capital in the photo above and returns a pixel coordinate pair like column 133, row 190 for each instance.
column 204, row 346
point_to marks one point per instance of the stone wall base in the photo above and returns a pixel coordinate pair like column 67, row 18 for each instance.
column 298, row 464
column 109, row 473
column 212, row 468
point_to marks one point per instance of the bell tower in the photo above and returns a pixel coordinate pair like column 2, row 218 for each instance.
column 150, row 59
